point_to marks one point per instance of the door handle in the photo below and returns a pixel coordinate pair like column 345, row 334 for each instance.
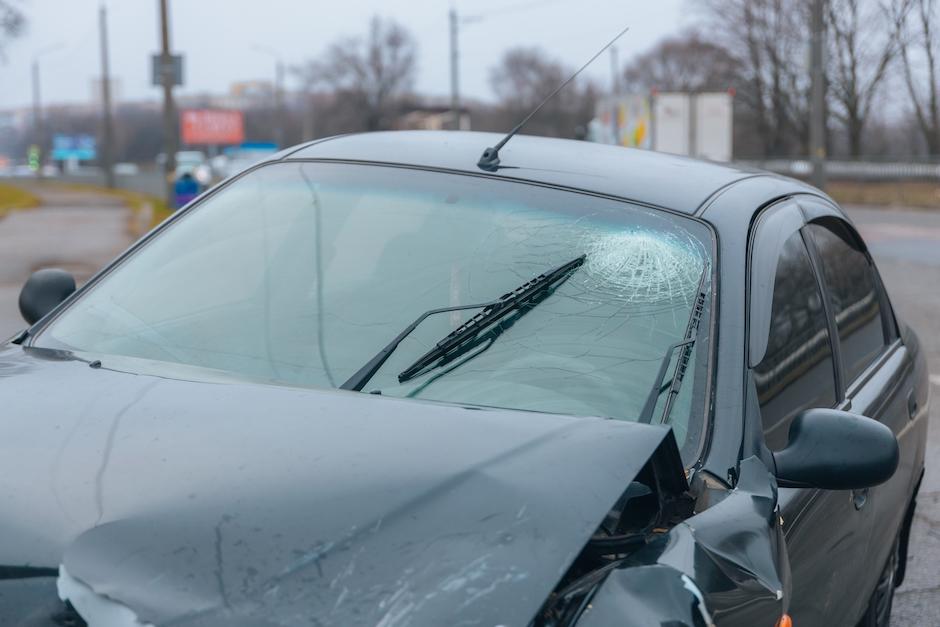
column 859, row 498
column 911, row 404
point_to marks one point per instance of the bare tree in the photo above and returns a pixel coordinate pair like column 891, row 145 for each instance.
column 370, row 76
column 526, row 76
column 918, row 32
column 769, row 38
column 12, row 22
column 861, row 51
column 685, row 62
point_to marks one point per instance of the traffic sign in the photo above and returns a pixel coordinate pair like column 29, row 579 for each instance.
column 173, row 66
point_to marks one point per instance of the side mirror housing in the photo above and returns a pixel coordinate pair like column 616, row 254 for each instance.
column 835, row 450
column 43, row 291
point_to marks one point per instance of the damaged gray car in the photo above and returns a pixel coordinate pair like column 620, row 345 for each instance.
column 371, row 382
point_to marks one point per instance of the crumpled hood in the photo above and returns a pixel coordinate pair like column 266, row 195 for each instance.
column 227, row 503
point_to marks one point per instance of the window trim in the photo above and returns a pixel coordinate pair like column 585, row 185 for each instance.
column 772, row 230
column 851, row 387
column 835, row 342
column 765, row 230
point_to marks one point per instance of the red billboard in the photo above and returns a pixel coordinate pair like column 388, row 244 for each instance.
column 212, row 126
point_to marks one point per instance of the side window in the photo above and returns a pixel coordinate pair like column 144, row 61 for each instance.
column 796, row 371
column 854, row 295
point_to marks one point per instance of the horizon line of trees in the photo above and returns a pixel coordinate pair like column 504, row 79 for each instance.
column 883, row 87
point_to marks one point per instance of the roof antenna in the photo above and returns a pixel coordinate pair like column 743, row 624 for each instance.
column 489, row 161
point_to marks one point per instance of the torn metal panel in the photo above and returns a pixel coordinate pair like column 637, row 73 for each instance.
column 734, row 552
column 647, row 595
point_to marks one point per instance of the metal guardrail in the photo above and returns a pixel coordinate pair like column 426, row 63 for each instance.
column 151, row 181
column 853, row 170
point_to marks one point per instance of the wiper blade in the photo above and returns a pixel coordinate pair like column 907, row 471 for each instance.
column 526, row 294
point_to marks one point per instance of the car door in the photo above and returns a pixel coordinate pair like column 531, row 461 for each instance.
column 875, row 366
column 793, row 367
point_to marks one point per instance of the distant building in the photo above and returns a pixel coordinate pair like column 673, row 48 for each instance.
column 433, row 118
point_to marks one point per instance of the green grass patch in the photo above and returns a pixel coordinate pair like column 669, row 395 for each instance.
column 13, row 198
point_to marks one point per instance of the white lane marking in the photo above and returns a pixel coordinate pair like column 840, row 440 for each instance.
column 935, row 379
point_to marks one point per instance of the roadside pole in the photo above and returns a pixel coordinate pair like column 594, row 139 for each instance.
column 169, row 113
column 37, row 115
column 107, row 154
column 454, row 73
column 817, row 122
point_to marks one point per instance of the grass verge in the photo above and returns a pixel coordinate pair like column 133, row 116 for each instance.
column 13, row 198
column 147, row 211
column 902, row 194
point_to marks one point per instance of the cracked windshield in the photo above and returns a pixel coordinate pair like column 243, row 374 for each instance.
column 301, row 273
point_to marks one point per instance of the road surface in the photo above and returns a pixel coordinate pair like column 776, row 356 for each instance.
column 906, row 248
column 80, row 232
column 75, row 231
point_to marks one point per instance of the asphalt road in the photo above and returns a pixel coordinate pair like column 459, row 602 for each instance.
column 75, row 231
column 906, row 247
column 80, row 232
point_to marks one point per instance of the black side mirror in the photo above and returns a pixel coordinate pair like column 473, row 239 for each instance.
column 43, row 291
column 835, row 450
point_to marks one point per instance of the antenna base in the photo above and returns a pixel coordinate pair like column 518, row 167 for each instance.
column 489, row 161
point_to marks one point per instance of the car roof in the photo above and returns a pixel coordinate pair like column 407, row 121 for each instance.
column 653, row 178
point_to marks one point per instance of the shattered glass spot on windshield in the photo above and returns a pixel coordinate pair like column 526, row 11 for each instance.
column 644, row 268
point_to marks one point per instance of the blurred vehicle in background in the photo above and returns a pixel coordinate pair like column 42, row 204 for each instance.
column 193, row 162
column 245, row 156
column 50, row 170
column 126, row 169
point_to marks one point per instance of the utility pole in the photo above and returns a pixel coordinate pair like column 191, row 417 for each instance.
column 279, row 103
column 307, row 127
column 38, row 122
column 279, row 135
column 615, row 91
column 37, row 115
column 107, row 154
column 169, row 113
column 454, row 72
column 614, row 72
column 817, row 122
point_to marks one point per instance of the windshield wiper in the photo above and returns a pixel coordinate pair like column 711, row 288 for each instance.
column 456, row 342
column 682, row 364
column 362, row 376
column 508, row 302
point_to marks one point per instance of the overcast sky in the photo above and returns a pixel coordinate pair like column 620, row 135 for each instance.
column 218, row 39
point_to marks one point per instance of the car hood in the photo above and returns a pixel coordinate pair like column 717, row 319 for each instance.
column 228, row 504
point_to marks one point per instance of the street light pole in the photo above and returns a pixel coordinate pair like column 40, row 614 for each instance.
column 817, row 123
column 107, row 155
column 38, row 126
column 279, row 103
column 454, row 73
column 279, row 134
column 37, row 115
column 169, row 114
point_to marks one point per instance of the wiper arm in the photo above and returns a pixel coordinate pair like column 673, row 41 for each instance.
column 682, row 364
column 526, row 294
column 362, row 376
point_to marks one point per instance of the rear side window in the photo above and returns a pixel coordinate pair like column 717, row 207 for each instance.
column 796, row 372
column 854, row 296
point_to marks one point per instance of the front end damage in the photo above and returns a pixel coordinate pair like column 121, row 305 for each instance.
column 443, row 514
column 654, row 560
column 674, row 565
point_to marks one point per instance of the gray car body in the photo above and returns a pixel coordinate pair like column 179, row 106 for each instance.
column 351, row 510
